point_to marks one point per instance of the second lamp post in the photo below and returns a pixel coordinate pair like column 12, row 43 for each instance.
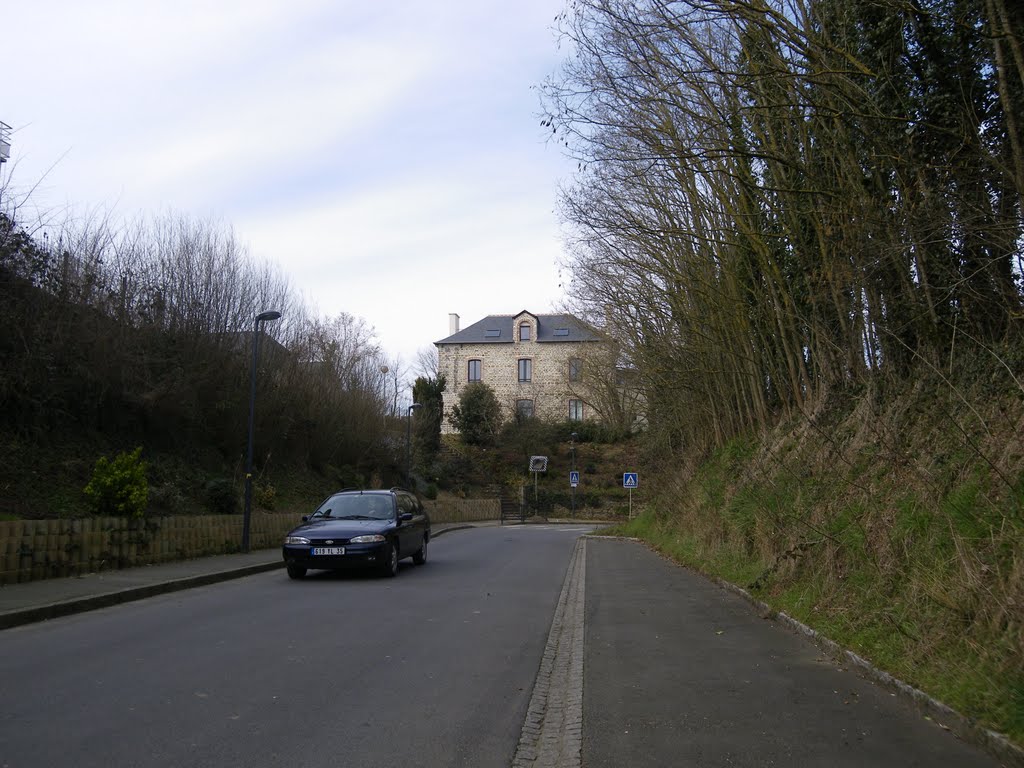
column 262, row 317
column 408, row 444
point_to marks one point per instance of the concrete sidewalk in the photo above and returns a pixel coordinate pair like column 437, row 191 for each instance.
column 49, row 598
column 681, row 672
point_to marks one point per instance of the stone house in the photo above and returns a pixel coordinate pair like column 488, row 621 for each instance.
column 532, row 362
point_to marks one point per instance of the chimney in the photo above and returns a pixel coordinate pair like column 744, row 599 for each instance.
column 453, row 323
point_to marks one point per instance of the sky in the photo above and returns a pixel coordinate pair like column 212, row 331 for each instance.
column 387, row 156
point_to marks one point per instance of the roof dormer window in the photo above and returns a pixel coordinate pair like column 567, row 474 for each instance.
column 524, row 331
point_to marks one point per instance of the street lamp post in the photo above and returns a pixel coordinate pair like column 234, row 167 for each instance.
column 262, row 317
column 572, row 447
column 408, row 444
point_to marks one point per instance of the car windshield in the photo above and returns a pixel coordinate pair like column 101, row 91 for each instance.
column 357, row 506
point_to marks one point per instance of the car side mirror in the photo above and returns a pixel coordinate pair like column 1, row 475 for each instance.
column 405, row 517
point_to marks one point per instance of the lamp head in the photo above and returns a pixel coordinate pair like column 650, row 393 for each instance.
column 270, row 314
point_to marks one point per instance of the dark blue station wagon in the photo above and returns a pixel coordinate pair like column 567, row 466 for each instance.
column 359, row 529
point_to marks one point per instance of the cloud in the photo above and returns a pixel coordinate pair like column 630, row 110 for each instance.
column 386, row 155
column 405, row 256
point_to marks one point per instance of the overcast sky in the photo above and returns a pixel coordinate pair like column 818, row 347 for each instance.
column 387, row 155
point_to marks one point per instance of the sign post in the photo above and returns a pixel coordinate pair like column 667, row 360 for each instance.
column 574, row 476
column 537, row 464
column 631, row 480
column 574, row 480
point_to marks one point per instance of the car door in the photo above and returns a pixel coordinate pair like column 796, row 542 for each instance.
column 410, row 532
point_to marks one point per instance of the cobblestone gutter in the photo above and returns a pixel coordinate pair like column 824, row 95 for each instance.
column 552, row 735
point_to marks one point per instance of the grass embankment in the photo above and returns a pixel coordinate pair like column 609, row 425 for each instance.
column 894, row 530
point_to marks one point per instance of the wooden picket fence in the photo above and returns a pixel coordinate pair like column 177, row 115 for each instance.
column 43, row 549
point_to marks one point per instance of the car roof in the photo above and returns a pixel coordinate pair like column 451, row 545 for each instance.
column 361, row 491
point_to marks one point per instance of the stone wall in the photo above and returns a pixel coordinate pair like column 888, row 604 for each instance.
column 463, row 510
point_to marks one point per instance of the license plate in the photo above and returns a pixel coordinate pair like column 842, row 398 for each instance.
column 328, row 551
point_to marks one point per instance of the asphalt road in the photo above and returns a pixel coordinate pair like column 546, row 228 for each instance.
column 433, row 668
column 504, row 650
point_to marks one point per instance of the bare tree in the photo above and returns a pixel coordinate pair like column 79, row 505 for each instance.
column 426, row 363
column 776, row 199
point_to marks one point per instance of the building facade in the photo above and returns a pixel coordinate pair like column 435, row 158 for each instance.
column 534, row 364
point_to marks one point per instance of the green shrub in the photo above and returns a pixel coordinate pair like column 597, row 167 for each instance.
column 430, row 491
column 264, row 495
column 221, row 497
column 167, row 498
column 477, row 415
column 347, row 476
column 454, row 471
column 591, row 432
column 119, row 488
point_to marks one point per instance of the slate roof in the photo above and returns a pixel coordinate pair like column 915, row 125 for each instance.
column 500, row 329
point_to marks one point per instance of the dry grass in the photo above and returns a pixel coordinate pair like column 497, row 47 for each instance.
column 891, row 525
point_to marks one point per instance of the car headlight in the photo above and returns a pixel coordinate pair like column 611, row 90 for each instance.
column 368, row 539
column 296, row 540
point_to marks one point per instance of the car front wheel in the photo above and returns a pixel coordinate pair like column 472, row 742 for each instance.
column 296, row 572
column 391, row 561
column 420, row 555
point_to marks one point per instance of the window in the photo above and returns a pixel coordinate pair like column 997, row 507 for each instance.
column 473, row 368
column 524, row 409
column 561, row 331
column 492, row 333
column 525, row 369
column 524, row 331
column 575, row 369
column 575, row 410
column 406, row 503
